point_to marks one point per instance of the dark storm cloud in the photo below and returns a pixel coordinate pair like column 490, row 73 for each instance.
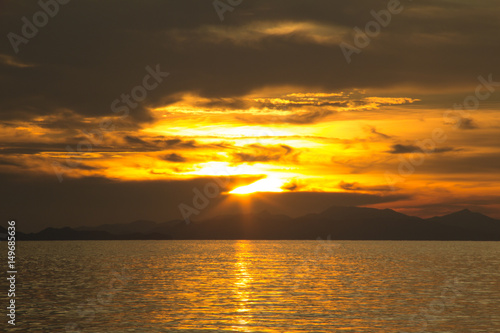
column 179, row 143
column 445, row 150
column 299, row 118
column 300, row 108
column 403, row 149
column 226, row 103
column 81, row 166
column 262, row 154
column 130, row 144
column 169, row 143
column 307, row 117
column 466, row 124
column 355, row 186
column 253, row 158
column 407, row 149
column 30, row 148
column 376, row 133
column 174, row 158
column 66, row 120
column 33, row 148
column 91, row 52
column 293, row 185
column 135, row 140
column 6, row 162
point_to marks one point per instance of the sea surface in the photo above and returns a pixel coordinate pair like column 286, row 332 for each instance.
column 255, row 286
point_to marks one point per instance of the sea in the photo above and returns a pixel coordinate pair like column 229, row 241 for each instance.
column 254, row 286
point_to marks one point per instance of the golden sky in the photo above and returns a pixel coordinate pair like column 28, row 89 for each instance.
column 265, row 96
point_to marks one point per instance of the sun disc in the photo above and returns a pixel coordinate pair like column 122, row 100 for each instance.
column 262, row 185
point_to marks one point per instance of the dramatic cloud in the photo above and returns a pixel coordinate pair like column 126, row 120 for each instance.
column 65, row 66
column 259, row 153
column 407, row 149
column 467, row 124
column 357, row 187
column 37, row 203
column 174, row 158
column 154, row 97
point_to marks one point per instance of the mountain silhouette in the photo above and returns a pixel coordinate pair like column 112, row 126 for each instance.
column 73, row 234
column 467, row 220
column 337, row 222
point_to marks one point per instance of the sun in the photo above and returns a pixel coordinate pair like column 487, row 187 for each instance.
column 269, row 184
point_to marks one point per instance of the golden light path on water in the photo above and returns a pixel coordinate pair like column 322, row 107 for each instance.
column 241, row 286
column 262, row 286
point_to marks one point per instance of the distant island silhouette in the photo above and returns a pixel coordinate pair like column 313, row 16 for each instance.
column 338, row 222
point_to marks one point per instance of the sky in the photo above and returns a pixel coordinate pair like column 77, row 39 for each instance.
column 114, row 111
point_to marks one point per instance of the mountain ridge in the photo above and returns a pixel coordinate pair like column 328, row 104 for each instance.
column 337, row 222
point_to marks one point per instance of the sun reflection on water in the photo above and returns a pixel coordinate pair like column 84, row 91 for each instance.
column 242, row 286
